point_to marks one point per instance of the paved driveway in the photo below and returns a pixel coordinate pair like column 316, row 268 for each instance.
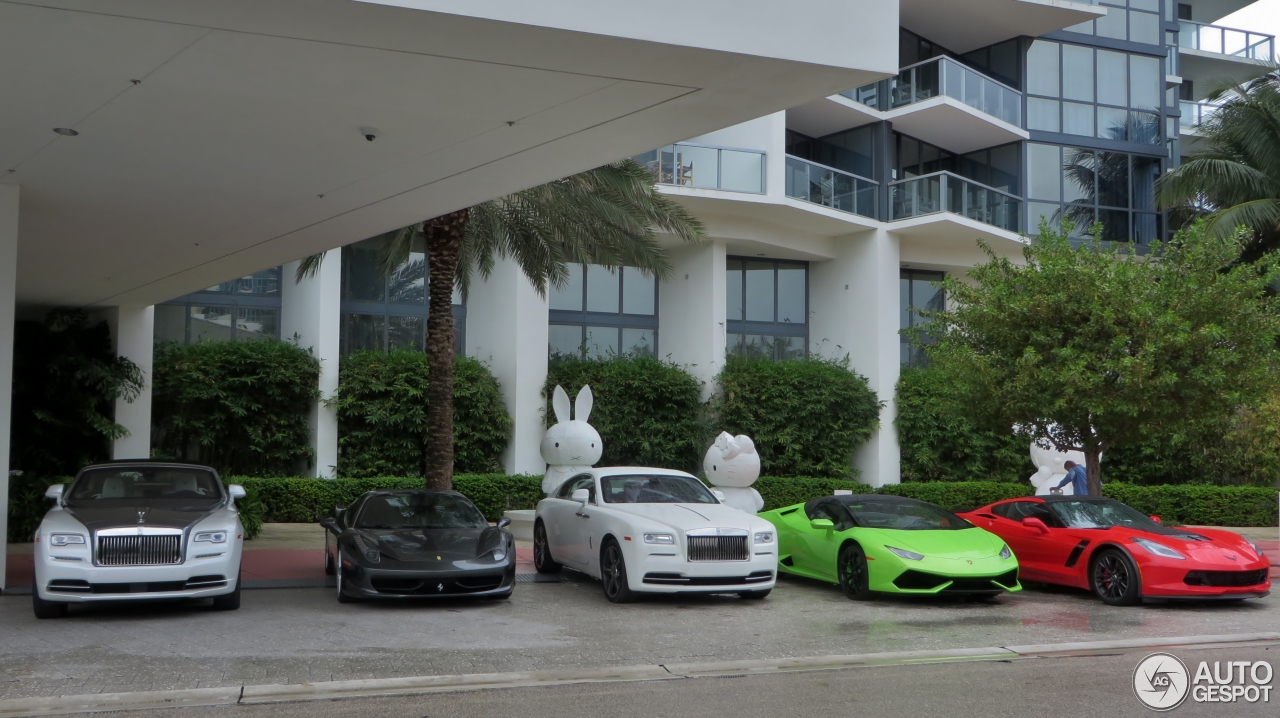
column 297, row 635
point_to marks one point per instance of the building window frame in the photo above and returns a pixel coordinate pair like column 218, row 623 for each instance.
column 737, row 330
column 386, row 310
column 620, row 321
column 234, row 295
column 912, row 354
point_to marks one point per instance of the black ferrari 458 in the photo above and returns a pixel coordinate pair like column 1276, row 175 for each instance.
column 417, row 543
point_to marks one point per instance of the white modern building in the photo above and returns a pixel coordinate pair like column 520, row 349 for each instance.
column 151, row 149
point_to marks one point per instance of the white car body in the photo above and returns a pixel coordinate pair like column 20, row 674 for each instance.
column 577, row 532
column 73, row 573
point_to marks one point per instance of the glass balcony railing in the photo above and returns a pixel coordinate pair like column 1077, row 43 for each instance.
column 1193, row 113
column 1226, row 41
column 831, row 187
column 702, row 167
column 946, row 192
column 943, row 76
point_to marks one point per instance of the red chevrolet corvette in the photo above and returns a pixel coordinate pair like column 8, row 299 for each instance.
column 1120, row 554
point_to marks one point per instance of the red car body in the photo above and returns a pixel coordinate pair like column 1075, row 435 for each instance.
column 1217, row 565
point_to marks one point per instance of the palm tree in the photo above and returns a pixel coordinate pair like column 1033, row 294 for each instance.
column 609, row 216
column 1235, row 180
column 1103, row 178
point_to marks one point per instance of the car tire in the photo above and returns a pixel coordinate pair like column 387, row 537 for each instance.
column 1114, row 578
column 46, row 609
column 755, row 595
column 613, row 574
column 542, row 560
column 231, row 601
column 342, row 594
column 328, row 563
column 852, row 572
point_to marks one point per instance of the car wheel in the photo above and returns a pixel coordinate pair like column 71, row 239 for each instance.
column 1114, row 578
column 755, row 595
column 851, row 570
column 43, row 608
column 328, row 563
column 342, row 594
column 542, row 560
column 613, row 574
column 230, row 601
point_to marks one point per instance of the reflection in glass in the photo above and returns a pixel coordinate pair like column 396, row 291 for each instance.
column 362, row 332
column 255, row 323
column 601, row 342
column 1112, row 122
column 568, row 297
column 1115, row 225
column 697, row 167
column 733, row 290
column 759, row 285
column 602, row 289
column 564, row 340
column 406, row 333
column 211, row 323
column 363, row 275
column 638, row 342
column 638, row 292
column 791, row 293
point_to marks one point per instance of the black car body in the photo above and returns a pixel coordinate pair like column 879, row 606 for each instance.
column 418, row 543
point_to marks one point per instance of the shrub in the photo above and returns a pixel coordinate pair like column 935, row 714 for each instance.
column 647, row 411
column 301, row 500
column 940, row 441
column 382, row 415
column 960, row 495
column 806, row 417
column 1201, row 504
column 240, row 407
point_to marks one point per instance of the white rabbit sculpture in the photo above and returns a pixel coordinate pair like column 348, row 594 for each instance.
column 571, row 445
column 732, row 466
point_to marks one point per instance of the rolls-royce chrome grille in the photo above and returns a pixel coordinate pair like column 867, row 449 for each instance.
column 135, row 550
column 718, row 548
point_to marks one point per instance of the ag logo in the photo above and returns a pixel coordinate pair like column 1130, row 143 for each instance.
column 1161, row 681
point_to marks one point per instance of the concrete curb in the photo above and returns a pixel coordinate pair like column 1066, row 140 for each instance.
column 329, row 690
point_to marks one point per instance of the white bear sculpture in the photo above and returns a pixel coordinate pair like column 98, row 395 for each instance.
column 732, row 466
column 1050, row 469
column 571, row 445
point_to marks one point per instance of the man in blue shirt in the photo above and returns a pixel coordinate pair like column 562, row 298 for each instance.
column 1077, row 477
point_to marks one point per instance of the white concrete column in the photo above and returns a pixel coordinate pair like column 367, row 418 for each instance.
column 507, row 330
column 854, row 305
column 691, row 312
column 311, row 315
column 8, row 289
column 133, row 335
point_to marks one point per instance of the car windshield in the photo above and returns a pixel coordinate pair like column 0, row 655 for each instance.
column 1100, row 515
column 420, row 511
column 655, row 490
column 905, row 516
column 153, row 483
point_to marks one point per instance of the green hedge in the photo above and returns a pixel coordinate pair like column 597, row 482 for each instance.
column 291, row 500
column 1201, row 504
column 806, row 417
column 240, row 407
column 647, row 411
column 382, row 415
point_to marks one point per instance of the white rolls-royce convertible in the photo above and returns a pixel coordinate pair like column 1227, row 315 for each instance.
column 130, row 530
column 644, row 530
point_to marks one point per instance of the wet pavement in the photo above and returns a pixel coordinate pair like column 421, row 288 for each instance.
column 299, row 635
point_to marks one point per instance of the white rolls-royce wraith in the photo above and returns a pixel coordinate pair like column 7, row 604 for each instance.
column 644, row 530
column 138, row 530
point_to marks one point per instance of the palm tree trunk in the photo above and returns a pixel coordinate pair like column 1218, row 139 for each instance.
column 444, row 242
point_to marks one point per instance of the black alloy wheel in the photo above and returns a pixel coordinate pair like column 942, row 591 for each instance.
column 851, row 570
column 613, row 574
column 1114, row 578
column 542, row 560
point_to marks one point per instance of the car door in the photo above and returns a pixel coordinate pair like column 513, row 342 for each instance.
column 571, row 522
column 1025, row 541
column 818, row 547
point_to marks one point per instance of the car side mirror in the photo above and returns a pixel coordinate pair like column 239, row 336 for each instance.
column 1156, row 519
column 55, row 492
column 1035, row 523
column 330, row 524
column 822, row 525
column 236, row 491
column 504, row 522
column 582, row 496
column 718, row 494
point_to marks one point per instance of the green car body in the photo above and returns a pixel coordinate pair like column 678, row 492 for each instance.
column 958, row 558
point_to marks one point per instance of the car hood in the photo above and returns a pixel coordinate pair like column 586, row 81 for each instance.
column 1220, row 549
column 434, row 544
column 114, row 513
column 687, row 517
column 958, row 543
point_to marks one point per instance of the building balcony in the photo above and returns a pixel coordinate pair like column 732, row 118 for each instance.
column 964, row 25
column 944, row 192
column 830, row 187
column 705, row 167
column 1194, row 113
column 1209, row 54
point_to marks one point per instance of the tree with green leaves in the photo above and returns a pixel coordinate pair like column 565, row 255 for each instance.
column 609, row 216
column 1095, row 347
column 1235, row 179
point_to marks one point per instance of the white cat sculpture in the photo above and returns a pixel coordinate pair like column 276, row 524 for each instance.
column 1050, row 470
column 571, row 445
column 732, row 466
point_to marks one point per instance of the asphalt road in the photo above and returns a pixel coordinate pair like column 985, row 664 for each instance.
column 1088, row 686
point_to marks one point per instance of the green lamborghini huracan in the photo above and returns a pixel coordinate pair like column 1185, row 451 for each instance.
column 872, row 543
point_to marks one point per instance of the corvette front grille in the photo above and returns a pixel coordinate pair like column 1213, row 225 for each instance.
column 719, row 548
column 139, row 550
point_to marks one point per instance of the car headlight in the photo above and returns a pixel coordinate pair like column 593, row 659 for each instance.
column 1005, row 552
column 66, row 539
column 909, row 555
column 211, row 537
column 1158, row 549
column 1252, row 545
column 371, row 552
column 660, row 538
column 499, row 554
column 764, row 537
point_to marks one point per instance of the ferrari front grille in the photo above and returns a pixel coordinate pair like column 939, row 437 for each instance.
column 1226, row 578
column 139, row 550
column 719, row 548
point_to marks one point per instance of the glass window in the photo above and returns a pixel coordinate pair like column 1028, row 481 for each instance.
column 638, row 342
column 1144, row 27
column 1113, row 78
column 601, row 342
column 1111, row 25
column 638, row 292
column 406, row 333
column 211, row 323
column 733, row 290
column 1078, row 175
column 1077, row 119
column 741, row 171
column 775, row 320
column 408, row 283
column 257, row 323
column 1077, row 76
column 568, row 297
column 1044, row 172
column 602, row 289
column 618, row 316
column 792, row 292
column 1037, row 211
column 1145, row 172
column 171, row 323
column 1113, row 179
column 1042, row 114
column 1113, row 123
column 565, row 340
column 360, row 269
column 1042, row 68
column 362, row 332
column 918, row 292
column 759, row 280
column 1145, row 81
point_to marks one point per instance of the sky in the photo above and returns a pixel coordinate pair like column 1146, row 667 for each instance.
column 1262, row 16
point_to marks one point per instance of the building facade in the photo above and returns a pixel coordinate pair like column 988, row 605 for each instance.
column 829, row 223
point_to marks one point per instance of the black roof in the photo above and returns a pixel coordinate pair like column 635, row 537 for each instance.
column 887, row 498
column 146, row 462
column 1070, row 497
column 385, row 492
